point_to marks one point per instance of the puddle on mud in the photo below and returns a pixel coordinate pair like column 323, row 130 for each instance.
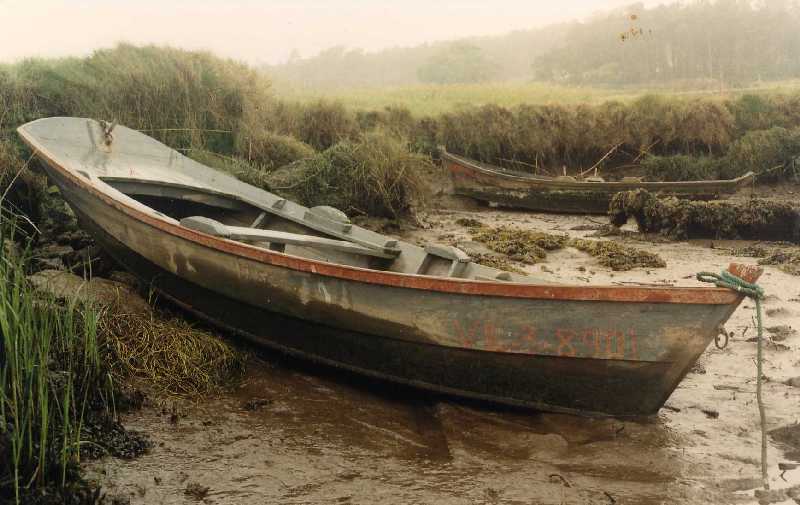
column 291, row 433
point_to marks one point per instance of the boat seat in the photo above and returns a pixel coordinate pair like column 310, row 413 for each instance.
column 459, row 259
column 595, row 178
column 279, row 239
column 566, row 178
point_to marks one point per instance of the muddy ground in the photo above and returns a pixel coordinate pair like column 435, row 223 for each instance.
column 290, row 433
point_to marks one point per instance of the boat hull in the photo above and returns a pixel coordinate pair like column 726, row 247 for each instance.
column 519, row 190
column 577, row 356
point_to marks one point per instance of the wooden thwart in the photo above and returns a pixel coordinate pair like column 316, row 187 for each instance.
column 459, row 259
column 246, row 234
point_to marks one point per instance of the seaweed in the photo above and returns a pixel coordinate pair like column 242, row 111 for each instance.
column 617, row 256
column 525, row 246
column 680, row 219
column 530, row 247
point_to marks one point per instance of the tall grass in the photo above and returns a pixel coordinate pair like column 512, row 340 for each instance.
column 50, row 371
column 374, row 174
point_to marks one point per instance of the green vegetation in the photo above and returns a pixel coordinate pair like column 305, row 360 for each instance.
column 458, row 63
column 51, row 375
column 435, row 99
column 374, row 174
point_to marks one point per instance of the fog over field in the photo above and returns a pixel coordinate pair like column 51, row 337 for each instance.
column 268, row 31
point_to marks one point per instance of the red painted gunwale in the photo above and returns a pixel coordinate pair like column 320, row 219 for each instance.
column 679, row 295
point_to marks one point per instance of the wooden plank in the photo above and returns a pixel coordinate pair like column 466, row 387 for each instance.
column 258, row 220
column 245, row 234
column 448, row 252
column 253, row 235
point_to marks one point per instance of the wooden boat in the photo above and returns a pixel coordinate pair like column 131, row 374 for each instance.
column 310, row 283
column 567, row 194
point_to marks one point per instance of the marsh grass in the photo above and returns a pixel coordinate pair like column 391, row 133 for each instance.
column 50, row 373
column 375, row 174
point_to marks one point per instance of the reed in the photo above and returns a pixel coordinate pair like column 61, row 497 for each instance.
column 50, row 371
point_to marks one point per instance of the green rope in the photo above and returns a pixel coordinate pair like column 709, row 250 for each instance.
column 754, row 291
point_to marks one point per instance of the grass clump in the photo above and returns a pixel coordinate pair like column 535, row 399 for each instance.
column 51, row 376
column 268, row 150
column 323, row 124
column 22, row 190
column 617, row 256
column 183, row 98
column 681, row 167
column 679, row 219
column 525, row 246
column 774, row 154
column 146, row 346
column 375, row 174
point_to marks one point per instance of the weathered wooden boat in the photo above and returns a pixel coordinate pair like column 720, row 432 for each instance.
column 308, row 282
column 592, row 195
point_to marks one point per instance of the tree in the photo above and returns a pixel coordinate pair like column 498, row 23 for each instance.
column 459, row 63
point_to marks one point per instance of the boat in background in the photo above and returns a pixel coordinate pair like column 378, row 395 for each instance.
column 308, row 282
column 567, row 194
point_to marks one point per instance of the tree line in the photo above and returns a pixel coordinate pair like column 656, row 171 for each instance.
column 730, row 42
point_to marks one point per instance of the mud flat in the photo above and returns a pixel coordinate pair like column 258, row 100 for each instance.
column 292, row 433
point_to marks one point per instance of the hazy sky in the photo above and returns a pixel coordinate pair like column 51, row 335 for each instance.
column 266, row 31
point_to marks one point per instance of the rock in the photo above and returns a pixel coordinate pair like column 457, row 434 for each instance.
column 54, row 251
column 126, row 278
column 47, row 264
column 256, row 404
column 104, row 292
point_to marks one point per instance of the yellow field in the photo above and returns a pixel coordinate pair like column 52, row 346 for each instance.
column 427, row 99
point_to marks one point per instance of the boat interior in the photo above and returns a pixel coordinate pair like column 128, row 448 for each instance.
column 319, row 233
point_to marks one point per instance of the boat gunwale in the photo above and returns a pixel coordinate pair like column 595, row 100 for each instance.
column 587, row 185
column 565, row 292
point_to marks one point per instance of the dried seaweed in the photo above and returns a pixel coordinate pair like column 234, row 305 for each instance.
column 525, row 246
column 618, row 256
column 680, row 219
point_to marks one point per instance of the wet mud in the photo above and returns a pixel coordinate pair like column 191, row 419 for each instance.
column 294, row 433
